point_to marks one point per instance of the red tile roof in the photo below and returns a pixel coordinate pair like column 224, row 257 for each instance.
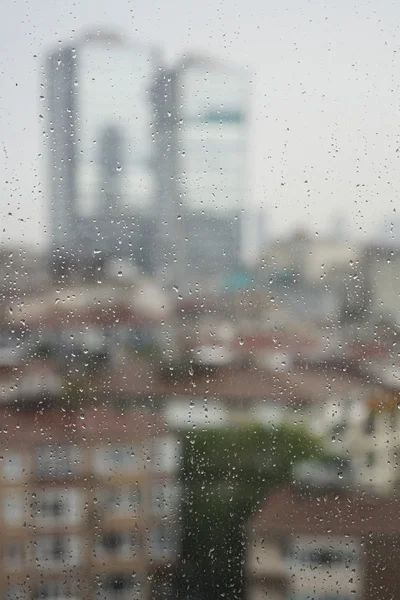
column 231, row 382
column 293, row 512
column 49, row 426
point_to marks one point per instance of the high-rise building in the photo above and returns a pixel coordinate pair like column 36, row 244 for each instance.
column 202, row 131
column 100, row 147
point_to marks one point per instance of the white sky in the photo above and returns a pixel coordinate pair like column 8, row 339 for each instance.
column 325, row 99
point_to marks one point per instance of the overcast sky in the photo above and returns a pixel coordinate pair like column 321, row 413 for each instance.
column 325, row 99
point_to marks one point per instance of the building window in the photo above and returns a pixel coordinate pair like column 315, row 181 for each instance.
column 13, row 508
column 114, row 459
column 370, row 424
column 370, row 459
column 13, row 467
column 119, row 585
column 16, row 592
column 121, row 544
column 166, row 454
column 57, row 551
column 122, row 501
column 393, row 420
column 164, row 498
column 58, row 506
column 57, row 461
column 162, row 541
column 321, row 596
column 13, row 554
column 323, row 551
column 53, row 590
column 323, row 556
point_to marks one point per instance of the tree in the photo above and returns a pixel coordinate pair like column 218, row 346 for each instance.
column 225, row 474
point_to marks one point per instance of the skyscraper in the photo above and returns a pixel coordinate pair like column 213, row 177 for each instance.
column 100, row 146
column 202, row 127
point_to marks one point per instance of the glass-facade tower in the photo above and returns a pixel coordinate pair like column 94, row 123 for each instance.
column 203, row 134
column 101, row 151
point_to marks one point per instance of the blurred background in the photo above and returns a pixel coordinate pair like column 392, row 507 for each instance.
column 200, row 301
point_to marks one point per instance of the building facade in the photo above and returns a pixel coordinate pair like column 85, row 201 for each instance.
column 203, row 122
column 323, row 543
column 101, row 157
column 89, row 505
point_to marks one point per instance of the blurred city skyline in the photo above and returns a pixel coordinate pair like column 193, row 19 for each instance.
column 199, row 308
column 324, row 103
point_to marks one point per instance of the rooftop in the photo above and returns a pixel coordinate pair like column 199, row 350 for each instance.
column 90, row 424
column 291, row 512
column 229, row 381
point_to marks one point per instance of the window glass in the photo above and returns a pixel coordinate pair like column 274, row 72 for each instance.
column 13, row 465
column 58, row 506
column 119, row 585
column 16, row 592
column 14, row 554
column 13, row 508
column 117, row 544
column 120, row 502
column 200, row 300
column 161, row 541
column 57, row 461
column 164, row 497
column 57, row 551
column 115, row 459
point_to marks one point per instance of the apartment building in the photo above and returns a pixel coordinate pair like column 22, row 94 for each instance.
column 89, row 504
column 325, row 544
column 371, row 437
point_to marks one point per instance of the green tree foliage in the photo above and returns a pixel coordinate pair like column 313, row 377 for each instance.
column 225, row 474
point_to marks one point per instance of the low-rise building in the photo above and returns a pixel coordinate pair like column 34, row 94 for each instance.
column 381, row 267
column 327, row 544
column 88, row 504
